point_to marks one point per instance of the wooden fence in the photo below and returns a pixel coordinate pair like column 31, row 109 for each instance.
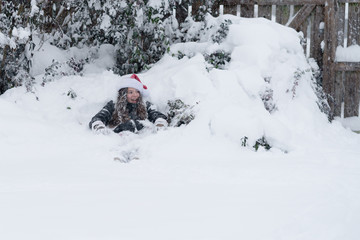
column 326, row 24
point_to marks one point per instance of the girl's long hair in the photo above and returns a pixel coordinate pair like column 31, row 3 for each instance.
column 121, row 113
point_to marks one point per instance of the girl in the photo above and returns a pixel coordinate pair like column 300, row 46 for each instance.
column 128, row 111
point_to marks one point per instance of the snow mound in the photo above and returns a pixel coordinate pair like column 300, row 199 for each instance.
column 199, row 181
column 265, row 91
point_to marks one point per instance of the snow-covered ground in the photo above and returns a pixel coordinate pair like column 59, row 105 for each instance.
column 59, row 181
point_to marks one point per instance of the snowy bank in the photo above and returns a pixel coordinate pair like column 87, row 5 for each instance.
column 58, row 180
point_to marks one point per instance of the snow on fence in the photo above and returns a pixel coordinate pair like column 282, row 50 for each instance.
column 346, row 89
column 326, row 25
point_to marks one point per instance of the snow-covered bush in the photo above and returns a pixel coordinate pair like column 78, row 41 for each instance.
column 72, row 94
column 141, row 31
column 16, row 45
column 322, row 101
column 153, row 29
column 218, row 59
column 209, row 29
column 57, row 70
column 222, row 32
column 261, row 142
column 179, row 113
column 322, row 97
column 203, row 11
column 267, row 98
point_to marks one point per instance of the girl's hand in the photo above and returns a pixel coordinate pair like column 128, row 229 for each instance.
column 160, row 122
column 99, row 128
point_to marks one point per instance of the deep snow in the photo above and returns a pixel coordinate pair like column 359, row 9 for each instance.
column 58, row 180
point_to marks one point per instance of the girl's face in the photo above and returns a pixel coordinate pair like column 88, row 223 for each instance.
column 132, row 95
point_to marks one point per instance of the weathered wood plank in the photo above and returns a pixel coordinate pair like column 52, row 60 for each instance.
column 230, row 9
column 352, row 94
column 329, row 56
column 329, row 32
column 338, row 93
column 307, row 35
column 348, row 1
column 282, row 14
column 215, row 7
column 301, row 16
column 354, row 24
column 347, row 66
column 339, row 24
column 247, row 11
column 317, row 34
column 265, row 11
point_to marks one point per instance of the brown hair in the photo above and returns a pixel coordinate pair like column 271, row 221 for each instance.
column 121, row 113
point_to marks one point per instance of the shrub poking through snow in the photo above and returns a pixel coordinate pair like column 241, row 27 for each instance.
column 72, row 94
column 222, row 32
column 179, row 55
column 267, row 98
column 322, row 101
column 218, row 59
column 261, row 142
column 51, row 72
column 57, row 70
column 322, row 97
column 76, row 65
column 298, row 74
column 179, row 113
column 244, row 141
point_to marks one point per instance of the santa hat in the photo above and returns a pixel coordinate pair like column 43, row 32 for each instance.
column 133, row 82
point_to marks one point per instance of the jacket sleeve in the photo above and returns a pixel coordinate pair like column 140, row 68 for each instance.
column 153, row 114
column 104, row 115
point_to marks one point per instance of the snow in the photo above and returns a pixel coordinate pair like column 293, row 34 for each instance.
column 58, row 180
column 34, row 8
column 106, row 22
column 348, row 54
column 43, row 57
column 3, row 39
column 156, row 4
column 21, row 33
column 352, row 123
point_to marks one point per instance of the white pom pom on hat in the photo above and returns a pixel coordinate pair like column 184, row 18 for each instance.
column 133, row 82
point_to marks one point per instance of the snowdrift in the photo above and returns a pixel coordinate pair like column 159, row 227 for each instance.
column 266, row 91
column 201, row 180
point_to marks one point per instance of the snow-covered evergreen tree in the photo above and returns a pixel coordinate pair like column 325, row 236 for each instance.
column 153, row 29
column 141, row 31
column 16, row 25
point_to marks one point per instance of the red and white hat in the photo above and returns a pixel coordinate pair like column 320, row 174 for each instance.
column 134, row 82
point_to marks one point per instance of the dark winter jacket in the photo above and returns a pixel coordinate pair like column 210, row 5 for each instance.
column 106, row 113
